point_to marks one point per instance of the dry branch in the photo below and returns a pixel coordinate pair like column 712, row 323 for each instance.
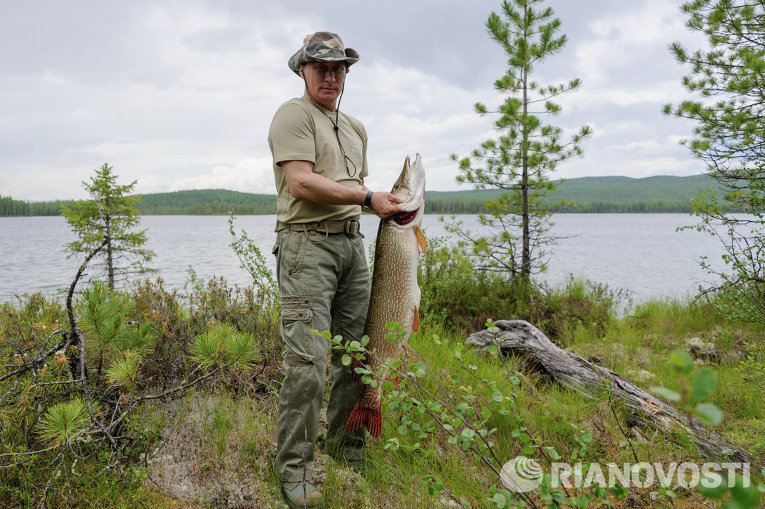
column 590, row 380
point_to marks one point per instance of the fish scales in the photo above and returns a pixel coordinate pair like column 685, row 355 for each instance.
column 395, row 293
column 395, row 296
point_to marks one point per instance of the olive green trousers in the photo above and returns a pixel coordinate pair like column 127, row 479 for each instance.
column 324, row 285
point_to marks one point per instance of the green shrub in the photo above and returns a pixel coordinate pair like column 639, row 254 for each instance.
column 179, row 319
column 138, row 346
column 455, row 295
column 460, row 298
column 559, row 312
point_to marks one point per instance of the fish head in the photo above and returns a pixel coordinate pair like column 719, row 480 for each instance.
column 410, row 187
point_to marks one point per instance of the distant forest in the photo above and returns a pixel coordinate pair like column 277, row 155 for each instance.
column 591, row 195
column 587, row 194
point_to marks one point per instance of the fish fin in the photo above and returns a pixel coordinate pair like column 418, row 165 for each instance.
column 357, row 417
column 355, row 363
column 421, row 240
column 374, row 422
column 416, row 320
column 369, row 417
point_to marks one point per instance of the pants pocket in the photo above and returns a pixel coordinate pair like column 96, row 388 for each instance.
column 300, row 346
column 297, row 253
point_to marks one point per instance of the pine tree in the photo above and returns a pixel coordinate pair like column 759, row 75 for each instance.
column 111, row 215
column 730, row 139
column 520, row 160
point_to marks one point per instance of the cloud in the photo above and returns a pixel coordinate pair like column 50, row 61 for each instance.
column 251, row 174
column 181, row 93
column 649, row 21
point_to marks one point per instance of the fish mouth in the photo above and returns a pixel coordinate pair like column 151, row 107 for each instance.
column 404, row 218
column 410, row 187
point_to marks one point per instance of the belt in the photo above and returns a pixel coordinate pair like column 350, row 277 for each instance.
column 348, row 226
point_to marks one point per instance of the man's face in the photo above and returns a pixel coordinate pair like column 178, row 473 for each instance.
column 324, row 81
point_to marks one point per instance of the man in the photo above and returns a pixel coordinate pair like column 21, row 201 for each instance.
column 319, row 167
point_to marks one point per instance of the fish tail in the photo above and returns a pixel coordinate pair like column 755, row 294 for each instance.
column 355, row 363
column 369, row 417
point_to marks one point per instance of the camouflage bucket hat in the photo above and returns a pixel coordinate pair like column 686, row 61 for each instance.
column 323, row 47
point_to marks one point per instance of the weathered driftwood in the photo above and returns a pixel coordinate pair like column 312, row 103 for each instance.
column 591, row 380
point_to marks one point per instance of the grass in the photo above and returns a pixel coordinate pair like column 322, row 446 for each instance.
column 551, row 410
column 219, row 440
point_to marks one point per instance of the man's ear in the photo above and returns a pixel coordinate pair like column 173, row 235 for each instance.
column 300, row 72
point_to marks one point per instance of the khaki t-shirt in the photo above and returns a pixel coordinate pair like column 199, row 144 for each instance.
column 304, row 131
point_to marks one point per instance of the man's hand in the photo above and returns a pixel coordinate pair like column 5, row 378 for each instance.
column 384, row 204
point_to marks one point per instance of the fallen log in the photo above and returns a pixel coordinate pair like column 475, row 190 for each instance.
column 590, row 380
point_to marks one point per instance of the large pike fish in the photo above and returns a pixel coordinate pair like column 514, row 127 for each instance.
column 395, row 293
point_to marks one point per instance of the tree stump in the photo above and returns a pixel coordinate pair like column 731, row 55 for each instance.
column 590, row 380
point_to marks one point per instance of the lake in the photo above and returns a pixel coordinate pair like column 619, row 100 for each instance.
column 642, row 253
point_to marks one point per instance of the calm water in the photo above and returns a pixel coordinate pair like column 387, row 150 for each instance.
column 639, row 252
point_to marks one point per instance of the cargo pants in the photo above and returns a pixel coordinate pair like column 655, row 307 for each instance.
column 324, row 284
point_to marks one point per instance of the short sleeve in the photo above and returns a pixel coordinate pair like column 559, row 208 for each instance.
column 291, row 136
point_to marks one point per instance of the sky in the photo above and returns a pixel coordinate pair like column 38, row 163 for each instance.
column 180, row 94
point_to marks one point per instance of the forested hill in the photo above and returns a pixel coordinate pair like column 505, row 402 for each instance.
column 587, row 194
column 592, row 194
column 206, row 202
